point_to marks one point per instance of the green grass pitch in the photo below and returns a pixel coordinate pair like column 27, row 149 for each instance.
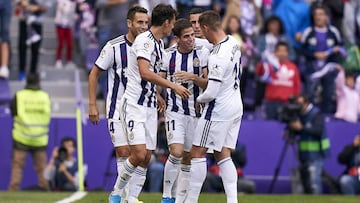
column 101, row 197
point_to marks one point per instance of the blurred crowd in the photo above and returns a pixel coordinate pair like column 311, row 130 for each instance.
column 319, row 53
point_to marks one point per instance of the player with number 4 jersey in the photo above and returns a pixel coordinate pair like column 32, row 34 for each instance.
column 114, row 59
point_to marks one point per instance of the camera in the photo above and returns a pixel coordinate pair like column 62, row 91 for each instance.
column 290, row 111
column 62, row 154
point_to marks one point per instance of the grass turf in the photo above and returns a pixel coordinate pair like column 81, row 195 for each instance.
column 32, row 197
column 102, row 197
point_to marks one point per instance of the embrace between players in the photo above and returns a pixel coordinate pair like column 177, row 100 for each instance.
column 203, row 106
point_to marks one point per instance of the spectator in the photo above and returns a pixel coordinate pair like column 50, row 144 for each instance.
column 64, row 18
column 313, row 144
column 29, row 9
column 295, row 14
column 62, row 169
column 31, row 111
column 350, row 156
column 351, row 23
column 336, row 10
column 348, row 97
column 250, row 17
column 272, row 33
column 281, row 77
column 213, row 182
column 5, row 15
column 184, row 6
column 233, row 28
column 321, row 44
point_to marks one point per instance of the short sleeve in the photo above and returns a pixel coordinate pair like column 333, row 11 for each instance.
column 216, row 69
column 204, row 57
column 106, row 58
column 143, row 47
column 165, row 62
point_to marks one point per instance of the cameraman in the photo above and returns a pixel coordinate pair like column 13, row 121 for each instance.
column 350, row 156
column 313, row 144
column 61, row 171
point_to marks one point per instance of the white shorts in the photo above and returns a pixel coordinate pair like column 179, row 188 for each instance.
column 140, row 123
column 116, row 132
column 217, row 134
column 180, row 129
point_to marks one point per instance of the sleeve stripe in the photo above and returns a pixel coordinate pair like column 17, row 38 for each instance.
column 140, row 57
column 204, row 67
column 217, row 80
column 164, row 71
column 100, row 66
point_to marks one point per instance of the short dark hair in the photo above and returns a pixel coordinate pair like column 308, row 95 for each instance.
column 32, row 79
column 270, row 20
column 161, row 13
column 180, row 25
column 281, row 44
column 67, row 139
column 304, row 96
column 210, row 19
column 196, row 11
column 133, row 10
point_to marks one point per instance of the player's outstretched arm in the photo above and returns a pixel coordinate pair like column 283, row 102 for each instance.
column 210, row 93
column 183, row 76
column 93, row 83
column 152, row 77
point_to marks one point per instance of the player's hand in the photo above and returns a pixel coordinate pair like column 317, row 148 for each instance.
column 94, row 114
column 198, row 107
column 182, row 76
column 321, row 55
column 161, row 103
column 182, row 91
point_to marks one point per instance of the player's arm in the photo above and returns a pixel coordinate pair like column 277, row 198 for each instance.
column 93, row 83
column 216, row 74
column 152, row 77
column 212, row 89
column 183, row 76
column 160, row 100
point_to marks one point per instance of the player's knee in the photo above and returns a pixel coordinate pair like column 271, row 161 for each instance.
column 140, row 155
column 176, row 153
column 122, row 151
column 197, row 152
column 186, row 159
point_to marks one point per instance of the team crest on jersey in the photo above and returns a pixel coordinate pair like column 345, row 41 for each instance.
column 131, row 135
column 103, row 53
column 196, row 62
column 170, row 135
column 146, row 46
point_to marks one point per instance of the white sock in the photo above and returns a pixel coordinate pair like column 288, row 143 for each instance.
column 183, row 183
column 197, row 177
column 229, row 177
column 119, row 163
column 136, row 184
column 171, row 171
column 125, row 174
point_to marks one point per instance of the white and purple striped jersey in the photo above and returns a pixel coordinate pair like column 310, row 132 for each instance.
column 114, row 59
column 138, row 90
column 225, row 66
column 192, row 62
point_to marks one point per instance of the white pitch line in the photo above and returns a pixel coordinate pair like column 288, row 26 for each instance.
column 75, row 196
